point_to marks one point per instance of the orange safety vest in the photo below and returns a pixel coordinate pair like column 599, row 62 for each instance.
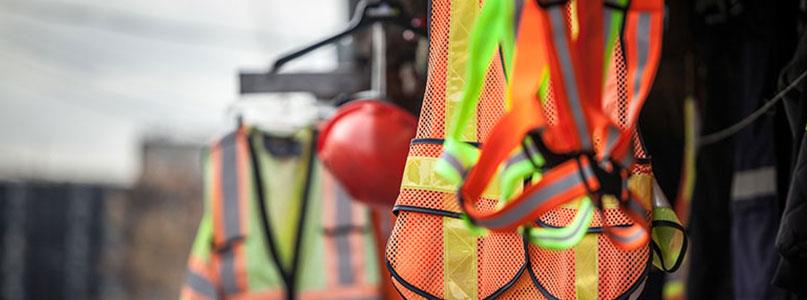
column 277, row 226
column 433, row 254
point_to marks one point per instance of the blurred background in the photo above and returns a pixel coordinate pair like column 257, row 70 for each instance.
column 105, row 107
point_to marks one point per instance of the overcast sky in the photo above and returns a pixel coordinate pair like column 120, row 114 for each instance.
column 82, row 81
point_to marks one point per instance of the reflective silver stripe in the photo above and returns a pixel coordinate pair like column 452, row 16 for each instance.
column 344, row 218
column 516, row 158
column 610, row 142
column 514, row 214
column 627, row 159
column 587, row 172
column 578, row 227
column 201, row 285
column 750, row 184
column 637, row 208
column 642, row 49
column 227, row 271
column 230, row 212
column 569, row 78
column 229, row 179
column 626, row 239
column 455, row 163
column 531, row 149
column 659, row 199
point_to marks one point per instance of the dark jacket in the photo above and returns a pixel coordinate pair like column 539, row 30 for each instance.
column 791, row 241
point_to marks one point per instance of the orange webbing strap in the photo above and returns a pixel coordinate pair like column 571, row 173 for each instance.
column 230, row 162
column 568, row 181
column 577, row 93
column 642, row 39
column 631, row 237
column 526, row 113
column 578, row 98
column 198, row 284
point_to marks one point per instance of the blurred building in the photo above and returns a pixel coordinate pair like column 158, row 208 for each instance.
column 96, row 241
column 160, row 219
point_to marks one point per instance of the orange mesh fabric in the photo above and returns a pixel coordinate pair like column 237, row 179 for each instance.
column 500, row 257
column 432, row 113
column 554, row 271
column 619, row 270
column 522, row 289
column 418, row 250
column 563, row 216
column 415, row 253
column 432, row 116
column 491, row 101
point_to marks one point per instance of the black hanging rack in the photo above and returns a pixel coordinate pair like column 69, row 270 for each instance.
column 330, row 85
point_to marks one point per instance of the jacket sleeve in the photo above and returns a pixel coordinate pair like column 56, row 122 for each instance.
column 792, row 238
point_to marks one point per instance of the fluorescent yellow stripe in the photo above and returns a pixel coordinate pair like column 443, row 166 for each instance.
column 463, row 14
column 420, row 174
column 459, row 245
column 585, row 267
column 690, row 151
column 641, row 185
column 459, row 263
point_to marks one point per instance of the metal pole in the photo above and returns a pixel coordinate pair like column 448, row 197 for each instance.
column 378, row 79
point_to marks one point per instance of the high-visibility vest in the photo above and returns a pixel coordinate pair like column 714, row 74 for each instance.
column 431, row 253
column 277, row 226
column 434, row 254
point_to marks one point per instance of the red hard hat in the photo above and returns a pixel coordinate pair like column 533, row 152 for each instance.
column 365, row 146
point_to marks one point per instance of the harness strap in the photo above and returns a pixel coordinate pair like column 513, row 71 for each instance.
column 641, row 41
column 526, row 115
column 492, row 29
column 556, row 187
column 546, row 49
column 564, row 237
column 576, row 92
column 631, row 237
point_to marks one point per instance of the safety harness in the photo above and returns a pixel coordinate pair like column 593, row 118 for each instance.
column 501, row 159
column 583, row 153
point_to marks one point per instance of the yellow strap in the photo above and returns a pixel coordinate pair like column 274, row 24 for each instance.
column 641, row 185
column 459, row 263
column 463, row 14
column 419, row 174
column 459, row 245
column 585, row 267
